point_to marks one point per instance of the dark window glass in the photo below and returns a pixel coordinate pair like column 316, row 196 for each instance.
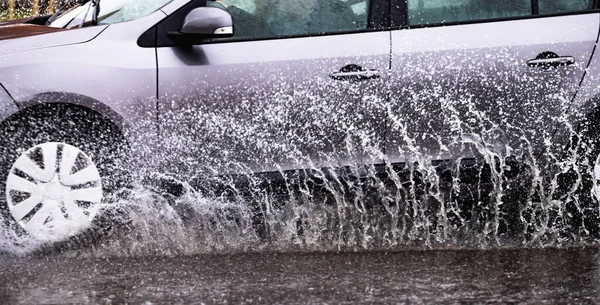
column 444, row 11
column 272, row 18
column 560, row 6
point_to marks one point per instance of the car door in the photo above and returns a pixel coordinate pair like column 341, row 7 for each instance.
column 472, row 77
column 285, row 92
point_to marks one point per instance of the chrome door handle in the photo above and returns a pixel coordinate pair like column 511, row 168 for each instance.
column 355, row 72
column 356, row 75
column 550, row 60
column 562, row 61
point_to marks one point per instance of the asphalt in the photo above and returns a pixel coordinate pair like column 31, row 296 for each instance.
column 525, row 276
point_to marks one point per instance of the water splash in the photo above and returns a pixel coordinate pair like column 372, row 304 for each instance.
column 510, row 186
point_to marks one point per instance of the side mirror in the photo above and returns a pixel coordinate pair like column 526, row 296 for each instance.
column 203, row 23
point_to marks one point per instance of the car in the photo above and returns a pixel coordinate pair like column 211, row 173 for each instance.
column 93, row 95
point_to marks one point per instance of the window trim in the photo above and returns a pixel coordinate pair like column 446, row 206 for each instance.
column 399, row 12
column 379, row 19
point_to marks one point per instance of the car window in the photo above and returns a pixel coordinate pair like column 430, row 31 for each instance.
column 129, row 10
column 275, row 18
column 443, row 11
column 560, row 6
column 111, row 11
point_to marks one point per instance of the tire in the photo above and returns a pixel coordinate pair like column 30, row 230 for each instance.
column 87, row 173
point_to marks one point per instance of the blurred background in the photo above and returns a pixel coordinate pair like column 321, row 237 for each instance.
column 18, row 9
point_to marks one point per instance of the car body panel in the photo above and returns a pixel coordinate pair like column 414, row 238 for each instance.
column 7, row 104
column 94, row 74
column 49, row 40
column 585, row 105
column 452, row 86
column 271, row 105
column 587, row 99
column 447, row 86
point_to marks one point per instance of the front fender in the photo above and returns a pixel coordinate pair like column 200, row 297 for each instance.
column 78, row 100
column 8, row 106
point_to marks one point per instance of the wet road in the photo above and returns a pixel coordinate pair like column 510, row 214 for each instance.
column 412, row 277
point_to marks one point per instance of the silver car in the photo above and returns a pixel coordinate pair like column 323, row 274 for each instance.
column 94, row 94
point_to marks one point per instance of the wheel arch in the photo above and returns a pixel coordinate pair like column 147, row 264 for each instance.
column 82, row 102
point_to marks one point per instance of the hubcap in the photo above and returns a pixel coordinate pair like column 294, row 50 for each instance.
column 596, row 189
column 53, row 191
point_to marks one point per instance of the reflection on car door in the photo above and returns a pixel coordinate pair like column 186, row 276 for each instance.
column 275, row 104
column 503, row 84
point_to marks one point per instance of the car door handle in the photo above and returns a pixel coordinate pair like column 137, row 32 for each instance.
column 355, row 72
column 549, row 60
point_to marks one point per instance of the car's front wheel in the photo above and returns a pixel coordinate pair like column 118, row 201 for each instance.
column 59, row 164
